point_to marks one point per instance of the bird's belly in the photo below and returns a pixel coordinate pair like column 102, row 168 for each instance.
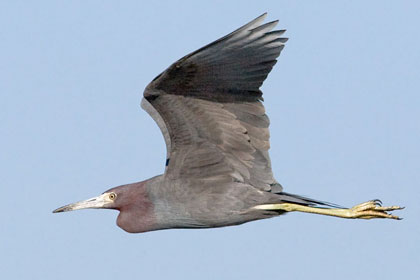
column 210, row 209
column 207, row 219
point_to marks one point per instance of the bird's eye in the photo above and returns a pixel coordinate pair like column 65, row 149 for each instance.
column 112, row 196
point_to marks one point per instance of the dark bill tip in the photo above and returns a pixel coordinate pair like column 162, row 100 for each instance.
column 62, row 209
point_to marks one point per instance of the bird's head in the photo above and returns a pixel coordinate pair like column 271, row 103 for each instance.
column 136, row 214
column 115, row 198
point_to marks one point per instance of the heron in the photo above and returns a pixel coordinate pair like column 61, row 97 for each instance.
column 218, row 173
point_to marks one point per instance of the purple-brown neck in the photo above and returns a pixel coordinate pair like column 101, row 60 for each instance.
column 136, row 209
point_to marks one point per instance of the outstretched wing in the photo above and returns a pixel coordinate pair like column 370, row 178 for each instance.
column 208, row 106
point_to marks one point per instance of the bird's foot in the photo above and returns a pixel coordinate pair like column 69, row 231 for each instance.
column 372, row 209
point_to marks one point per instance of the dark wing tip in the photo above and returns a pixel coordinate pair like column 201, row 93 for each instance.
column 231, row 68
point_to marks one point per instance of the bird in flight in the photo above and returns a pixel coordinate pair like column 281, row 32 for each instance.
column 209, row 108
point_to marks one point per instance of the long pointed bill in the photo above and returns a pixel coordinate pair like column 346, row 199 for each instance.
column 95, row 202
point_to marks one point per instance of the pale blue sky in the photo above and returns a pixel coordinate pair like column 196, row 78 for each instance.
column 345, row 124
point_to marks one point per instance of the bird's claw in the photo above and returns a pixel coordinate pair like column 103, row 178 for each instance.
column 373, row 209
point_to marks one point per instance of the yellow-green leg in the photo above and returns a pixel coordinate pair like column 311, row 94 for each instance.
column 367, row 210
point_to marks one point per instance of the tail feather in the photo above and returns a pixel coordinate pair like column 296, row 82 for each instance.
column 294, row 198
